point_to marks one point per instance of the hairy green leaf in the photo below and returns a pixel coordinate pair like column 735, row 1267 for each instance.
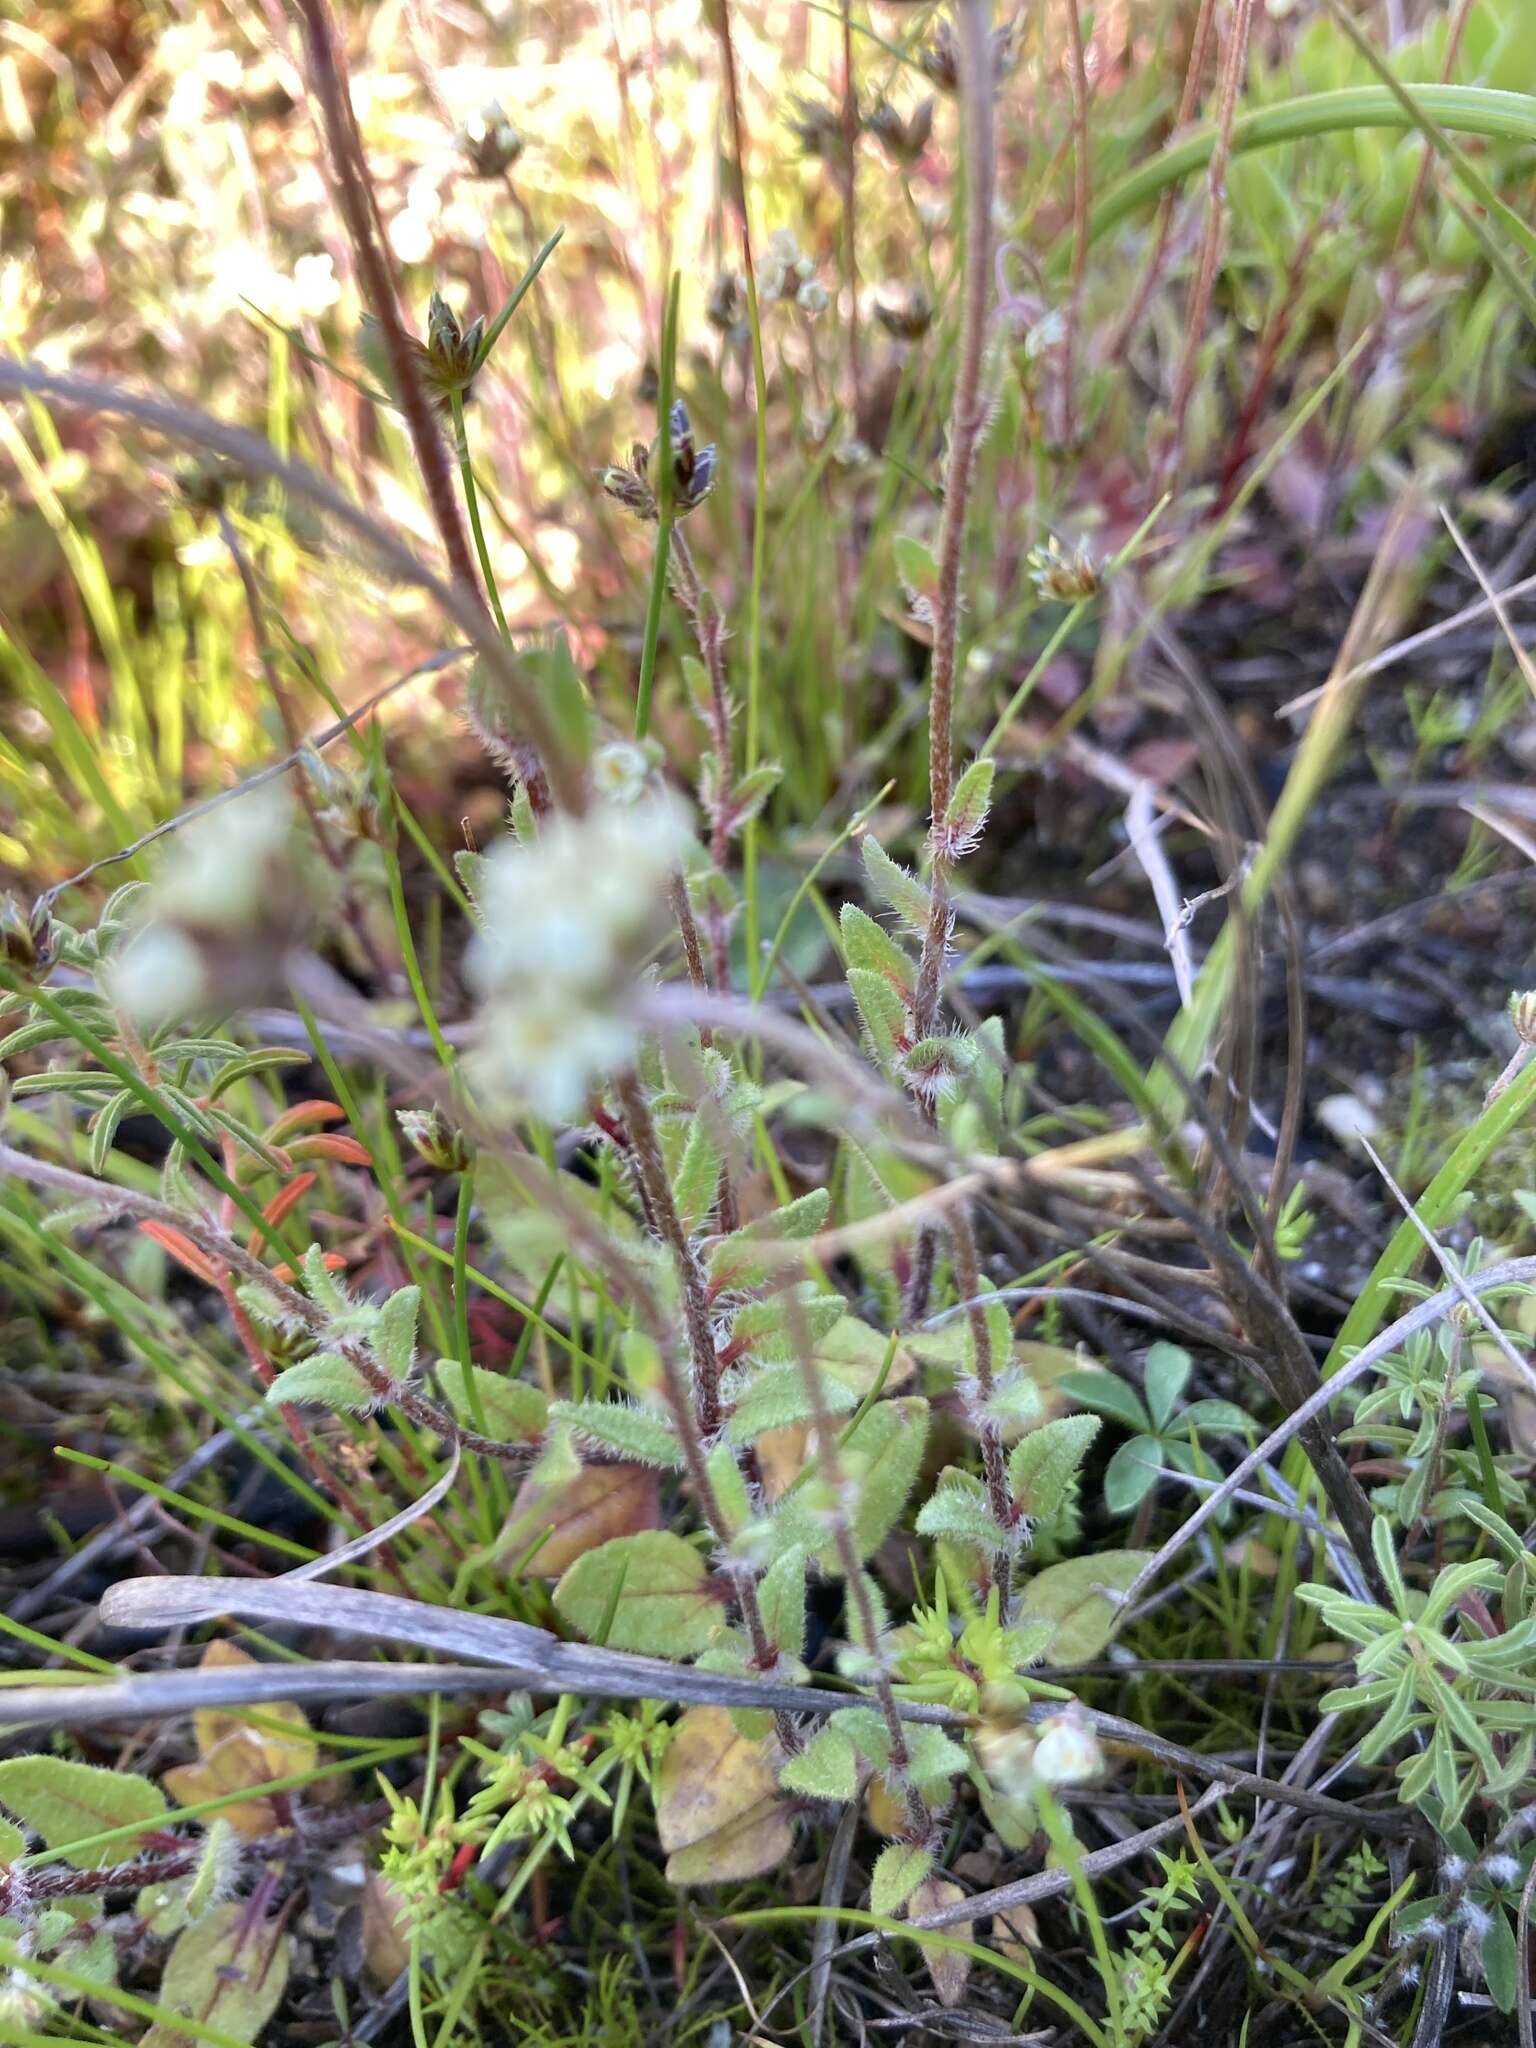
column 1044, row 1465
column 641, row 1435
column 67, row 1802
column 325, row 1380
column 658, row 1590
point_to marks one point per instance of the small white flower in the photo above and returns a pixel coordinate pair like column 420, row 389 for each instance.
column 1502, row 1868
column 812, row 297
column 158, row 976
column 1476, row 1918
column 1453, row 1868
column 222, row 910
column 783, row 247
column 548, row 1052
column 219, row 874
column 1068, row 1752
column 568, row 922
column 619, row 772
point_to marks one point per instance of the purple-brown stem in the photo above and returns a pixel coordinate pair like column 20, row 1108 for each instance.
column 693, row 1424
column 360, row 213
column 829, row 1460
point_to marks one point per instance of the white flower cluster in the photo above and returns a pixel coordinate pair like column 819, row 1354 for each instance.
column 784, row 273
column 568, row 921
column 222, row 911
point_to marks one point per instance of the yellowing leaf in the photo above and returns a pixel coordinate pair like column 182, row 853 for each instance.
column 386, row 1930
column 1015, row 1931
column 948, row 1970
column 227, row 1973
column 718, row 1810
column 651, row 1592
column 1080, row 1598
column 234, row 1755
column 781, row 1458
column 601, row 1502
column 67, row 1802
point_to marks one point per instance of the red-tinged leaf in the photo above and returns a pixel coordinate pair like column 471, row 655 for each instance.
column 301, row 1116
column 279, row 1206
column 333, row 1262
column 183, row 1251
column 331, row 1145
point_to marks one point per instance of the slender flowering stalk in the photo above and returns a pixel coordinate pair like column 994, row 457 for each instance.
column 965, row 425
column 361, row 217
column 472, row 506
column 964, row 433
column 709, row 631
column 976, row 81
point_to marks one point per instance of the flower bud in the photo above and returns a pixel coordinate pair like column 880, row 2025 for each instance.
column 26, row 943
column 437, row 1142
column 490, row 142
column 1068, row 1752
column 1522, row 1014
column 1068, row 577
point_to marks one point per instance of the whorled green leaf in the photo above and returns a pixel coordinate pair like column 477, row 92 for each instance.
column 325, row 1380
column 104, row 1129
column 1220, row 1417
column 1043, row 1466
column 514, row 1410
column 654, row 1591
column 68, row 1802
column 642, row 1436
column 1131, row 1474
column 1165, row 1374
column 1500, row 1960
column 1106, row 1395
column 1080, row 1598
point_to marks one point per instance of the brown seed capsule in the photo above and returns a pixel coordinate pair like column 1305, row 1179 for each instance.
column 908, row 317
column 904, row 138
